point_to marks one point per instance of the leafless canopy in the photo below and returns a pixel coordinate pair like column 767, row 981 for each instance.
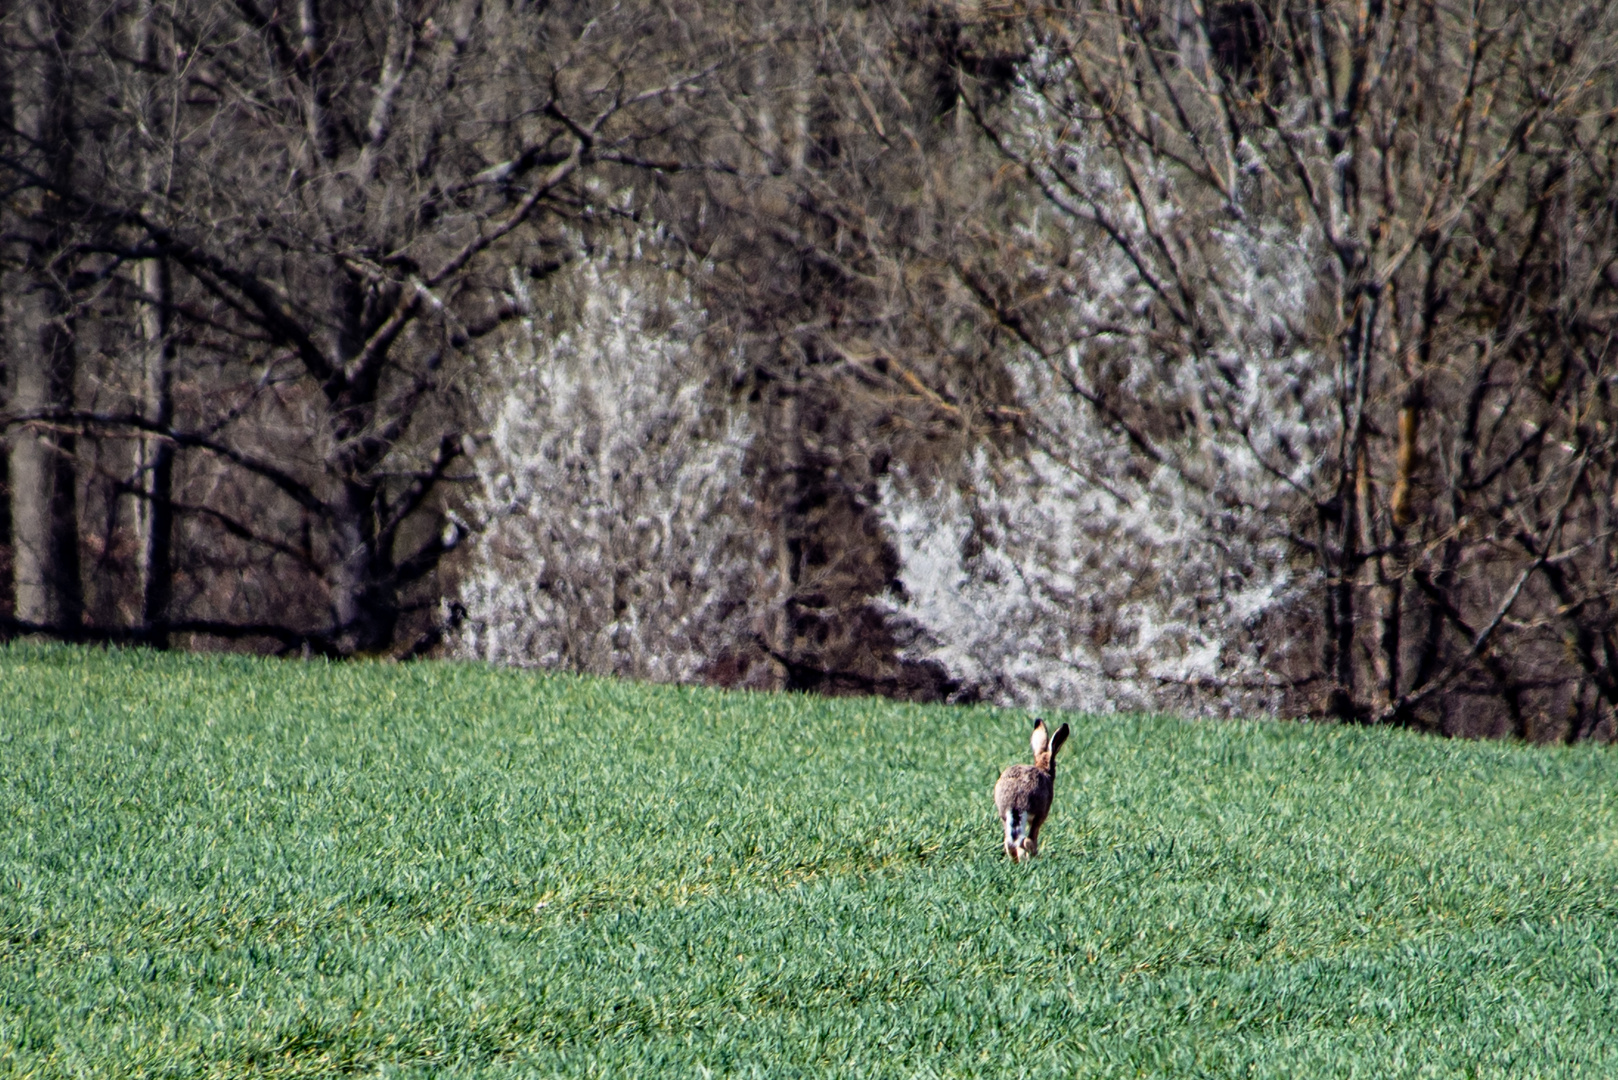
column 309, row 216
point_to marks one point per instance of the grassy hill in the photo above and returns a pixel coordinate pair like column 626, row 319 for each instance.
column 219, row 866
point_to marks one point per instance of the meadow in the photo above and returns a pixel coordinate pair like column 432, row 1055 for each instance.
column 219, row 866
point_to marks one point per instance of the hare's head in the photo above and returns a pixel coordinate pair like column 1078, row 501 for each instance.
column 1046, row 745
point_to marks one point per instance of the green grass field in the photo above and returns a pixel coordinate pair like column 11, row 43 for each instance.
column 216, row 866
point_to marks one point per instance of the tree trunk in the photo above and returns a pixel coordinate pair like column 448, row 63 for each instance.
column 154, row 457
column 8, row 283
column 363, row 608
column 40, row 338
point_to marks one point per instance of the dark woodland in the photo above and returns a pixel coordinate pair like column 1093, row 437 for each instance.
column 1232, row 357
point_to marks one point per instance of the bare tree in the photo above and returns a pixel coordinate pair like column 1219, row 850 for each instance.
column 615, row 528
column 312, row 216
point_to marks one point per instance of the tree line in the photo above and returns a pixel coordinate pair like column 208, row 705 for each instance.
column 1252, row 354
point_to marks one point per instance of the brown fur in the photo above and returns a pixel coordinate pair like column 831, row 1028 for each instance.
column 1025, row 792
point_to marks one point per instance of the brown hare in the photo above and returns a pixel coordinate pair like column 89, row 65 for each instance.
column 1022, row 797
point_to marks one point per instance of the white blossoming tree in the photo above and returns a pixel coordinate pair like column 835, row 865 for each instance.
column 612, row 509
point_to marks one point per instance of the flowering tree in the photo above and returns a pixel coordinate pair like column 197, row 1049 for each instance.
column 614, row 520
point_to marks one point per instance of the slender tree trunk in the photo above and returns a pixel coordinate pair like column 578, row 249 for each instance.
column 1339, row 658
column 1381, row 589
column 8, row 584
column 154, row 464
column 40, row 345
column 1343, row 568
column 1394, row 562
column 43, row 500
column 8, row 284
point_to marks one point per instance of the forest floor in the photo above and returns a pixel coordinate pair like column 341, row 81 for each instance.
column 218, row 866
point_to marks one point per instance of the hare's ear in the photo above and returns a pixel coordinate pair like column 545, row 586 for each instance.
column 1058, row 739
column 1041, row 738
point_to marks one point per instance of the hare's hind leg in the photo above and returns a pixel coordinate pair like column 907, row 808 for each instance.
column 1030, row 842
column 1013, row 836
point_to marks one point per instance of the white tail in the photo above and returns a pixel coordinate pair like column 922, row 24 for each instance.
column 1019, row 843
